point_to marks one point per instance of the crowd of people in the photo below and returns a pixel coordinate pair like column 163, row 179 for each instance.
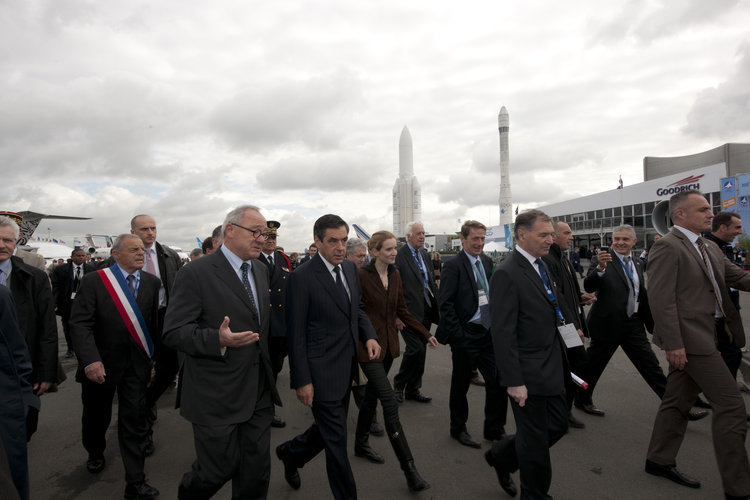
column 228, row 319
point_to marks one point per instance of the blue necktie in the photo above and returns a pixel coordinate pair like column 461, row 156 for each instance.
column 484, row 311
column 131, row 284
column 543, row 274
column 248, row 288
column 341, row 288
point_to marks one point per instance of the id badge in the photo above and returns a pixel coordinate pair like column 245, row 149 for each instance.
column 483, row 300
column 569, row 335
column 72, row 295
column 635, row 307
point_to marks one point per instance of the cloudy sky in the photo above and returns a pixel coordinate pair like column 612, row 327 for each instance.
column 184, row 109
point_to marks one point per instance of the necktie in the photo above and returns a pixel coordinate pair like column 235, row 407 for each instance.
column 270, row 260
column 543, row 274
column 702, row 245
column 631, row 283
column 425, row 281
column 131, row 284
column 484, row 310
column 246, row 283
column 340, row 287
column 77, row 278
column 150, row 268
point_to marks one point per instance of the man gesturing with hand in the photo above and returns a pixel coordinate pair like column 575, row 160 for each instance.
column 325, row 320
column 218, row 316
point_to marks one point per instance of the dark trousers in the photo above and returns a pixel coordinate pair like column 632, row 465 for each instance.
column 578, row 360
column 540, row 423
column 166, row 365
column 327, row 433
column 131, row 419
column 277, row 353
column 65, row 320
column 14, row 452
column 240, row 452
column 634, row 342
column 707, row 373
column 475, row 350
column 378, row 387
column 409, row 376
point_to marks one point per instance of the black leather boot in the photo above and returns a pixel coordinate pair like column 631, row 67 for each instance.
column 403, row 453
column 362, row 446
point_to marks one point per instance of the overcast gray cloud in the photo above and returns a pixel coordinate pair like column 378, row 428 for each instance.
column 114, row 109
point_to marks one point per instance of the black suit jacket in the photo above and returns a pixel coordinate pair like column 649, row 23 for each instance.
column 100, row 334
column 62, row 286
column 563, row 273
column 278, row 277
column 322, row 334
column 458, row 296
column 608, row 315
column 528, row 348
column 216, row 388
column 36, row 317
column 413, row 283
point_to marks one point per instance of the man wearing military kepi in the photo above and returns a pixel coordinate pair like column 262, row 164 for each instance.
column 279, row 267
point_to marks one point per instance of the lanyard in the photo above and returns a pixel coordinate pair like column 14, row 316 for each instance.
column 548, row 287
column 629, row 275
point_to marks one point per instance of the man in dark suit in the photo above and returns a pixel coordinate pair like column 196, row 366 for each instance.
column 570, row 301
column 66, row 279
column 465, row 325
column 17, row 396
column 279, row 269
column 325, row 322
column 530, row 356
column 725, row 227
column 162, row 262
column 310, row 253
column 689, row 281
column 35, row 308
column 420, row 290
column 227, row 384
column 114, row 311
column 617, row 317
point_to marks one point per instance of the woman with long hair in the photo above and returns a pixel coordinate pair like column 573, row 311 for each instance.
column 384, row 302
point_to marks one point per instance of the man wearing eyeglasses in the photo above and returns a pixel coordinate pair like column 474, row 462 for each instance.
column 218, row 316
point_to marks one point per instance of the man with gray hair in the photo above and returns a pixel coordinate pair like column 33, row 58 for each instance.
column 218, row 317
column 111, row 321
column 618, row 316
column 356, row 251
column 34, row 305
column 420, row 294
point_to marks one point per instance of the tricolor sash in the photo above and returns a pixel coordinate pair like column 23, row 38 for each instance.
column 124, row 301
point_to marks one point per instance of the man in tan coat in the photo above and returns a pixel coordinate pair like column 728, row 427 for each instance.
column 688, row 291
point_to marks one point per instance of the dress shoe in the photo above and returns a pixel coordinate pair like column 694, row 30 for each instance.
column 399, row 394
column 364, row 450
column 465, row 439
column 376, row 429
column 290, row 470
column 735, row 497
column 278, row 422
column 95, row 464
column 695, row 414
column 671, row 473
column 589, row 408
column 149, row 449
column 506, row 482
column 701, row 403
column 140, row 491
column 418, row 397
column 574, row 422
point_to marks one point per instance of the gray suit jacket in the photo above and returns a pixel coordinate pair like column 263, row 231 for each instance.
column 682, row 298
column 218, row 389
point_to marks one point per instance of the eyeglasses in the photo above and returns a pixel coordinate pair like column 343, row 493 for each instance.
column 255, row 232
